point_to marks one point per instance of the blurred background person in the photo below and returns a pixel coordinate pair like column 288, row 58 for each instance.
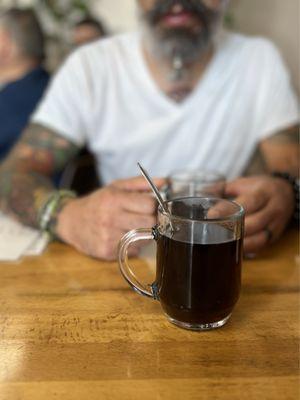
column 23, row 79
column 87, row 30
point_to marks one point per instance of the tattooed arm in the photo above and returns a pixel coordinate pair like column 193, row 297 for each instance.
column 281, row 151
column 269, row 202
column 26, row 175
column 92, row 224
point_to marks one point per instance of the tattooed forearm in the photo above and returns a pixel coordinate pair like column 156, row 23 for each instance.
column 288, row 136
column 22, row 194
column 26, row 175
column 281, row 151
column 257, row 165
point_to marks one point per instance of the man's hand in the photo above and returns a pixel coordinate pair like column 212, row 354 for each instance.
column 94, row 224
column 269, row 205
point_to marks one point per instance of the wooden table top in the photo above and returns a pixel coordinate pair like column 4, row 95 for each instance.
column 71, row 328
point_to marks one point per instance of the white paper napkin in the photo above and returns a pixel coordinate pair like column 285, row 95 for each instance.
column 17, row 240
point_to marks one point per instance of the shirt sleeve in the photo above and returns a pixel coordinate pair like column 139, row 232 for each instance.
column 62, row 109
column 278, row 105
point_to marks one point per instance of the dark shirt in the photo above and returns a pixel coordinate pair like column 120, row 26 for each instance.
column 17, row 102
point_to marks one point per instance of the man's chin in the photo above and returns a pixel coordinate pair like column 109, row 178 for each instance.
column 179, row 34
column 188, row 43
column 182, row 46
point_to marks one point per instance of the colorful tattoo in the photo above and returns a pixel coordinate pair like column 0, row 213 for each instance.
column 288, row 136
column 257, row 165
column 26, row 175
column 281, row 151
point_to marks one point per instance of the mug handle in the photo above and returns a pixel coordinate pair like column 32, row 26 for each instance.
column 131, row 237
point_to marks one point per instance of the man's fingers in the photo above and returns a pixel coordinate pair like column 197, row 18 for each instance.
column 237, row 187
column 135, row 202
column 268, row 234
column 258, row 221
column 252, row 202
column 222, row 209
column 137, row 184
column 256, row 242
column 128, row 221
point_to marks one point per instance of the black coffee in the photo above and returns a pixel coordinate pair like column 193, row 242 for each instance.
column 199, row 283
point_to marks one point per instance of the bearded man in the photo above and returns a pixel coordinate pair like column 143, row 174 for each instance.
column 179, row 93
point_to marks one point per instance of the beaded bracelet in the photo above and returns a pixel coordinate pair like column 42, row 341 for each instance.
column 51, row 207
column 294, row 182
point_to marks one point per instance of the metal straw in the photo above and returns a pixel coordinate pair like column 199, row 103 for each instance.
column 155, row 191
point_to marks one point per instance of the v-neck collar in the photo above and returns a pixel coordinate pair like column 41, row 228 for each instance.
column 153, row 88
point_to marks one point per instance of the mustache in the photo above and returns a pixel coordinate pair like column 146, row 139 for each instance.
column 205, row 14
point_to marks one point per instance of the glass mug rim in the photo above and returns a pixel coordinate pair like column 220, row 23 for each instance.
column 231, row 217
column 198, row 176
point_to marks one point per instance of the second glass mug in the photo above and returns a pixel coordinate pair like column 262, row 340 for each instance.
column 198, row 261
column 195, row 183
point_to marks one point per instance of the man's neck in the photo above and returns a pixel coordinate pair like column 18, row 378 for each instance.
column 16, row 71
column 175, row 80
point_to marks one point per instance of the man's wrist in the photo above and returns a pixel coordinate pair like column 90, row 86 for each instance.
column 294, row 183
column 53, row 206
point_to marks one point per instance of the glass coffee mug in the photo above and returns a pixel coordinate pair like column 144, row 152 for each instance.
column 197, row 183
column 198, row 262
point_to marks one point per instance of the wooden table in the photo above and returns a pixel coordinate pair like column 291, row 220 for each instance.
column 71, row 328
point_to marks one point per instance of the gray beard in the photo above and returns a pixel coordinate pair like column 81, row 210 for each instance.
column 187, row 46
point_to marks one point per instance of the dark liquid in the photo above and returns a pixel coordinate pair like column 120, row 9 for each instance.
column 198, row 283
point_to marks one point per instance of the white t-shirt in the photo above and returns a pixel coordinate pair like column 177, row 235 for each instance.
column 105, row 98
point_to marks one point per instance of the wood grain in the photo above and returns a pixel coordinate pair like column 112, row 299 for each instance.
column 71, row 328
